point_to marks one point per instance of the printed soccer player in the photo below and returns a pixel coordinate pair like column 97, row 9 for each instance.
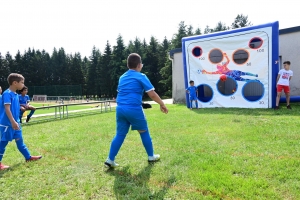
column 235, row 74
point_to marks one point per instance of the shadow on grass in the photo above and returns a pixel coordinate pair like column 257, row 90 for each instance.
column 251, row 111
column 135, row 186
column 2, row 172
column 50, row 119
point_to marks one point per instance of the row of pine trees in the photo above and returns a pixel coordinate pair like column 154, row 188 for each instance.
column 99, row 73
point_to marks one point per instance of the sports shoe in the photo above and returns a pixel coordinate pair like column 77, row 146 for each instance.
column 276, row 108
column 34, row 158
column 110, row 164
column 3, row 167
column 27, row 119
column 289, row 107
column 153, row 158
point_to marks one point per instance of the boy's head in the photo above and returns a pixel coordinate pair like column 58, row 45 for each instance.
column 286, row 65
column 24, row 90
column 16, row 80
column 134, row 61
column 192, row 83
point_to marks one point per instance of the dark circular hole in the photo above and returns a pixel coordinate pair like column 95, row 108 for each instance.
column 197, row 51
column 253, row 91
column 215, row 56
column 240, row 56
column 255, row 43
column 227, row 87
column 205, row 93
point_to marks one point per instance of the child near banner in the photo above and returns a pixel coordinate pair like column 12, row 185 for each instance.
column 283, row 83
column 10, row 127
column 129, row 110
column 193, row 93
column 24, row 104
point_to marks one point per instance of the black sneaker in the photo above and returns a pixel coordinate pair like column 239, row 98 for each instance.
column 27, row 119
column 289, row 107
column 276, row 108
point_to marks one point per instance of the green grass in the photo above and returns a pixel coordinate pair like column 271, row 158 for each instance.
column 205, row 154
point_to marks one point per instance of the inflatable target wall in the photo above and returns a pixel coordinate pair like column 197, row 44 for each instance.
column 235, row 68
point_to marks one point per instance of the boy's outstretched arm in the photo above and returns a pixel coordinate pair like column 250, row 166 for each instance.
column 154, row 96
column 206, row 72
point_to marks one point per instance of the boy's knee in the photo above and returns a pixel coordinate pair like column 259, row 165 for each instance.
column 141, row 131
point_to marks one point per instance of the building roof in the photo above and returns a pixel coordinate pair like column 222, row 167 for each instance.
column 289, row 30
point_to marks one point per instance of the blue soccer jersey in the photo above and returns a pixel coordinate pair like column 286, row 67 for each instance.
column 192, row 90
column 132, row 85
column 23, row 99
column 11, row 98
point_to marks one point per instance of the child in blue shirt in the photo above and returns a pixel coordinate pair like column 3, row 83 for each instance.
column 193, row 92
column 24, row 104
column 129, row 111
column 10, row 128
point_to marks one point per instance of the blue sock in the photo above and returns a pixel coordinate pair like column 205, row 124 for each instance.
column 22, row 148
column 31, row 113
column 21, row 115
column 116, row 145
column 147, row 142
column 2, row 148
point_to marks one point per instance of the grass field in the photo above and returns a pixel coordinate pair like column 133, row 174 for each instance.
column 205, row 154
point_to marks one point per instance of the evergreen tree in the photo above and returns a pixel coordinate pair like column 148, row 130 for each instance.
column 4, row 72
column 118, row 65
column 182, row 32
column 105, row 69
column 208, row 30
column 240, row 21
column 93, row 86
column 220, row 27
column 85, row 68
column 75, row 72
column 190, row 30
column 151, row 62
column 198, row 31
column 163, row 59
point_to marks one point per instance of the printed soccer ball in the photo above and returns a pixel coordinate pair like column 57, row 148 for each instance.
column 223, row 78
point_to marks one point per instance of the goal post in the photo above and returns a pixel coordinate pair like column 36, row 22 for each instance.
column 38, row 97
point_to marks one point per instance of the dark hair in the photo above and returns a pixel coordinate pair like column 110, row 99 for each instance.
column 191, row 81
column 14, row 77
column 287, row 62
column 133, row 60
column 24, row 88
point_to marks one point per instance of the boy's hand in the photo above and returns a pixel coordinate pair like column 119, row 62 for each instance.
column 204, row 71
column 15, row 125
column 164, row 109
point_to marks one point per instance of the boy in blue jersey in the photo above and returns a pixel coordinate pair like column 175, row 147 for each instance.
column 24, row 104
column 129, row 111
column 10, row 128
column 193, row 93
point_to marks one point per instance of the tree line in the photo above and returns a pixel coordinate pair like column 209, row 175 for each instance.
column 99, row 73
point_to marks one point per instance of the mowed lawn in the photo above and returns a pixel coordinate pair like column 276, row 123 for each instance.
column 205, row 154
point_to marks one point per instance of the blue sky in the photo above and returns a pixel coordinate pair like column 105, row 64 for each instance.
column 78, row 25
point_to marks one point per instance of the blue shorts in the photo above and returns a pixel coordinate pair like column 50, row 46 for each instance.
column 8, row 133
column 133, row 116
column 193, row 98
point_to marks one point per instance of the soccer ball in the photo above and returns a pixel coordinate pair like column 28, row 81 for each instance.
column 223, row 77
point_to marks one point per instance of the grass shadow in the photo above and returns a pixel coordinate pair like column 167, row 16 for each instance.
column 136, row 186
column 11, row 168
column 251, row 111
